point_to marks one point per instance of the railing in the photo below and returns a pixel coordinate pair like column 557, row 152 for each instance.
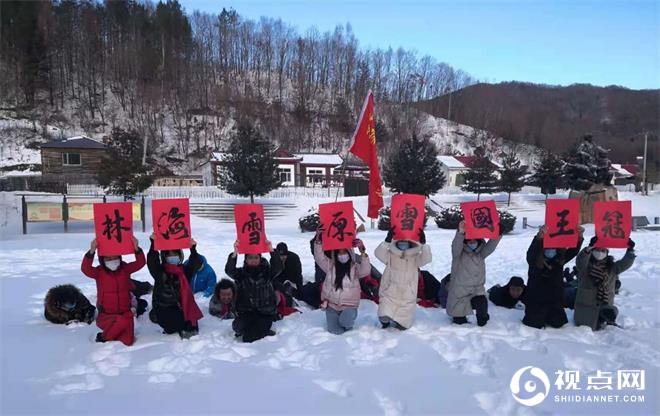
column 212, row 192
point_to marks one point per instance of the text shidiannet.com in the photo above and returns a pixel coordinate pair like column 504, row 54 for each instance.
column 599, row 399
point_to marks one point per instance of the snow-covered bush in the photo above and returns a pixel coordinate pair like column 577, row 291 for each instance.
column 449, row 218
column 310, row 221
column 384, row 222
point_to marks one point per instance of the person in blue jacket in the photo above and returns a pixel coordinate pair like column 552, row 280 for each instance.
column 204, row 279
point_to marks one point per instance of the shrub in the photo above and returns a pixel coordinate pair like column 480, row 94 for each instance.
column 449, row 218
column 310, row 221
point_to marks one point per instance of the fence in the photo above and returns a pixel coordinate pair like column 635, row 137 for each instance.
column 212, row 192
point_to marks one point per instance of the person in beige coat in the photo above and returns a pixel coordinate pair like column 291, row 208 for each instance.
column 398, row 286
column 467, row 289
column 340, row 292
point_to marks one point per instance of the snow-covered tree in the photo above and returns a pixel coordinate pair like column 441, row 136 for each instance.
column 122, row 171
column 587, row 164
column 480, row 178
column 548, row 173
column 414, row 168
column 512, row 175
column 249, row 167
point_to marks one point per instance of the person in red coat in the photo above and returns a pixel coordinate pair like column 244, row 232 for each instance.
column 113, row 293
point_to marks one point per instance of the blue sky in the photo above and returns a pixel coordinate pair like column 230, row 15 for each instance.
column 552, row 42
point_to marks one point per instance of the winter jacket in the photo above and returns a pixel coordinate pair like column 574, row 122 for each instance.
column 587, row 305
column 545, row 283
column 500, row 296
column 113, row 289
column 203, row 279
column 255, row 285
column 427, row 290
column 468, row 274
column 167, row 290
column 399, row 284
column 293, row 272
column 349, row 295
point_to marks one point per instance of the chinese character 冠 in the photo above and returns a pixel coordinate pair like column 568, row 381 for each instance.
column 481, row 218
column 339, row 223
column 113, row 227
column 173, row 225
column 613, row 227
column 408, row 216
column 633, row 379
column 569, row 378
column 562, row 223
column 254, row 225
column 600, row 381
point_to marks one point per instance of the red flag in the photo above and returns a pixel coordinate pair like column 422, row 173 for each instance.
column 250, row 228
column 171, row 223
column 562, row 218
column 613, row 223
column 338, row 225
column 364, row 147
column 113, row 224
column 407, row 216
column 481, row 220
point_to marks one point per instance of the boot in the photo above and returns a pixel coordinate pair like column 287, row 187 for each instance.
column 460, row 320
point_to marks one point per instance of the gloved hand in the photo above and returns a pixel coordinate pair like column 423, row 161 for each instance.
column 359, row 245
column 593, row 240
column 422, row 236
column 631, row 244
column 390, row 234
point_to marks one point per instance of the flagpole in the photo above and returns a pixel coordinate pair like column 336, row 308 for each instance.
column 348, row 150
column 343, row 172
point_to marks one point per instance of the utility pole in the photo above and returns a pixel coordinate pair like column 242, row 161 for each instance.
column 646, row 143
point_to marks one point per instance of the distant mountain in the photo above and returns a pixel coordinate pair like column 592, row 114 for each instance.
column 555, row 117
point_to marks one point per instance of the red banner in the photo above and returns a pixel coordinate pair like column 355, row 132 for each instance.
column 407, row 216
column 562, row 218
column 113, row 224
column 250, row 228
column 481, row 220
column 338, row 225
column 171, row 223
column 364, row 147
column 613, row 223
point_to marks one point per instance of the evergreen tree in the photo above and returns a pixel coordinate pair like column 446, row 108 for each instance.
column 414, row 168
column 249, row 167
column 480, row 178
column 512, row 175
column 122, row 171
column 587, row 164
column 548, row 173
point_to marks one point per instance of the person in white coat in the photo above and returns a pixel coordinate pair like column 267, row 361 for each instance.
column 398, row 286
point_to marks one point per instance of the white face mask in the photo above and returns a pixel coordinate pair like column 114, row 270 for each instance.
column 599, row 255
column 343, row 258
column 172, row 260
column 403, row 245
column 113, row 264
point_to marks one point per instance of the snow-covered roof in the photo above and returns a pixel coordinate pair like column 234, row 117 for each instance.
column 76, row 142
column 621, row 171
column 218, row 156
column 330, row 159
column 451, row 162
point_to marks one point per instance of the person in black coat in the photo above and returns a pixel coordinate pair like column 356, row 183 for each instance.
column 508, row 295
column 290, row 281
column 256, row 304
column 66, row 304
column 167, row 310
column 544, row 296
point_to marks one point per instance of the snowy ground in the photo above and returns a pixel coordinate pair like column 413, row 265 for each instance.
column 433, row 368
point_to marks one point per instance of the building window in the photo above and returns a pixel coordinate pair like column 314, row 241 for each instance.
column 316, row 176
column 285, row 175
column 71, row 159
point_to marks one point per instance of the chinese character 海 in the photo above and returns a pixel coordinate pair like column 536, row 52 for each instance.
column 408, row 216
column 172, row 225
column 481, row 218
column 113, row 227
column 254, row 225
column 562, row 223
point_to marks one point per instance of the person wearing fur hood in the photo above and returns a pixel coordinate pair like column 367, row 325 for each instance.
column 399, row 284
